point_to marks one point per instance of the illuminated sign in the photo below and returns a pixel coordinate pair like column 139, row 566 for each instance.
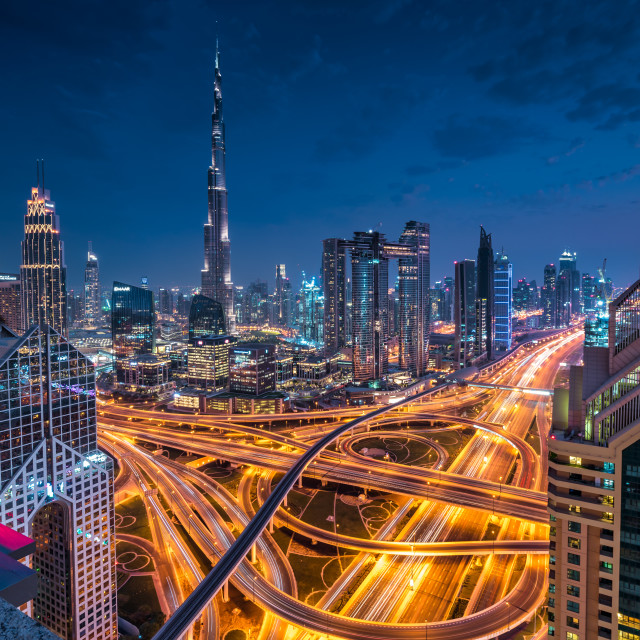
column 7, row 277
column 122, row 288
column 74, row 389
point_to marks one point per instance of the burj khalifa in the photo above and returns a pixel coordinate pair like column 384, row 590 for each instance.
column 216, row 275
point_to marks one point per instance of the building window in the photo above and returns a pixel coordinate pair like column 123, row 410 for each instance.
column 607, row 567
column 572, row 574
column 573, row 543
column 552, row 603
column 573, row 622
column 572, row 636
column 573, row 606
column 574, row 591
column 552, row 588
column 575, row 461
column 573, row 558
column 575, row 527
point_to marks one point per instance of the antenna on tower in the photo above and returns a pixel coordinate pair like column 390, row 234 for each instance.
column 38, row 175
column 42, row 177
column 90, row 249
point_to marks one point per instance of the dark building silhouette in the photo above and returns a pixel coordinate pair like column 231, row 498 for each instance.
column 206, row 317
column 133, row 320
column 484, row 296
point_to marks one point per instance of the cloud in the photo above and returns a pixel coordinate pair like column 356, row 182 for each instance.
column 608, row 105
column 575, row 145
column 480, row 137
column 422, row 170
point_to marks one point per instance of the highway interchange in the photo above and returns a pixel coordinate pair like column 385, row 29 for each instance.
column 416, row 564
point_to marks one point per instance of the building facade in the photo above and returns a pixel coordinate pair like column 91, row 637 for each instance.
column 503, row 303
column 484, row 297
column 208, row 362
column 594, row 488
column 334, row 277
column 206, row 317
column 10, row 301
column 133, row 320
column 216, row 275
column 464, row 311
column 252, row 368
column 56, row 486
column 43, row 274
column 548, row 296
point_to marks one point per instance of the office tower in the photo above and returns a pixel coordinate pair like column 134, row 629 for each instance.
column 464, row 309
column 208, row 362
column 370, row 282
column 563, row 298
column 255, row 304
column 91, row 288
column 10, row 301
column 133, row 321
column 146, row 375
column 548, row 296
column 502, row 291
column 588, row 293
column 413, row 289
column 165, row 302
column 569, row 302
column 311, row 311
column 43, row 273
column 216, row 275
column 447, row 310
column 524, row 296
column 206, row 317
column 484, row 296
column 252, row 368
column 334, row 274
column 283, row 303
column 594, row 488
column 55, row 484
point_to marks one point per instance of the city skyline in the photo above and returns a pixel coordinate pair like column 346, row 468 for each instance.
column 561, row 163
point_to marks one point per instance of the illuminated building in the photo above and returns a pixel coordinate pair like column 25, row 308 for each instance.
column 216, row 275
column 10, row 301
column 484, row 297
column 334, row 275
column 43, row 273
column 252, row 368
column 55, row 484
column 370, row 285
column 165, row 302
column 255, row 304
column 414, row 272
column 594, row 488
column 563, row 298
column 206, row 317
column 571, row 299
column 525, row 296
column 133, row 320
column 144, row 375
column 310, row 316
column 548, row 296
column 91, row 288
column 283, row 302
column 208, row 362
column 464, row 310
column 588, row 293
column 502, row 291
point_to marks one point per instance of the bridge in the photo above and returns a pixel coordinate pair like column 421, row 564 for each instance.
column 505, row 387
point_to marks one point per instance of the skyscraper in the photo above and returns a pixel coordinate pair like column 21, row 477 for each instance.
column 43, row 273
column 311, row 311
column 464, row 310
column 283, row 303
column 216, row 275
column 56, row 486
column 334, row 274
column 133, row 320
column 484, row 296
column 548, row 296
column 502, row 290
column 414, row 283
column 91, row 288
column 206, row 317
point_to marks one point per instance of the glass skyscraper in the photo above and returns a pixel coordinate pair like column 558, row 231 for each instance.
column 464, row 310
column 548, row 296
column 56, row 486
column 484, row 296
column 91, row 288
column 133, row 320
column 502, row 291
column 216, row 275
column 206, row 317
column 43, row 273
column 334, row 276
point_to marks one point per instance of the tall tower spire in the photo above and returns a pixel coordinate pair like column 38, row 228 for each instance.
column 216, row 275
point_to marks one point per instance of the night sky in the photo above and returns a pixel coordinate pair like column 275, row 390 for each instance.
column 340, row 116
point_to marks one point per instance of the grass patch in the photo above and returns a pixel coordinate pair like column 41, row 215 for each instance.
column 138, row 603
column 134, row 507
column 131, row 564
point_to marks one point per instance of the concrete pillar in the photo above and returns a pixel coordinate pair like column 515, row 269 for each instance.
column 323, row 483
column 254, row 555
column 271, row 525
column 300, row 481
column 225, row 591
column 284, row 502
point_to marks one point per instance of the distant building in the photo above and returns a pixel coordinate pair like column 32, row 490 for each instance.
column 165, row 302
column 588, row 293
column 252, row 368
column 92, row 311
column 206, row 317
column 567, row 289
column 144, row 375
column 503, row 311
column 548, row 296
column 283, row 300
column 334, row 276
column 310, row 315
column 10, row 301
column 484, row 297
column 208, row 362
column 133, row 320
column 43, row 274
column 465, row 311
column 525, row 296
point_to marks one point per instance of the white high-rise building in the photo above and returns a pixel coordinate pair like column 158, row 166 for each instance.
column 55, row 484
column 91, row 288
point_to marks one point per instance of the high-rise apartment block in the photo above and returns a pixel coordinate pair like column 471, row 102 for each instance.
column 10, row 301
column 43, row 273
column 594, row 488
column 548, row 296
column 133, row 320
column 334, row 277
column 92, row 310
column 56, row 486
column 216, row 275
column 503, row 302
column 310, row 312
column 283, row 301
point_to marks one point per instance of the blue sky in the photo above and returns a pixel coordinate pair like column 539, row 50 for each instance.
column 341, row 116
